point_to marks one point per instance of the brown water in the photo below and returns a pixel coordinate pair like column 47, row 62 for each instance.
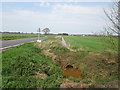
column 71, row 72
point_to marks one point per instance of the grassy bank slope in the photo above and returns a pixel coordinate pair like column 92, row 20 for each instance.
column 26, row 67
column 94, row 44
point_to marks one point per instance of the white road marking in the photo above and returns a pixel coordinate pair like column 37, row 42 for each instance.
column 11, row 46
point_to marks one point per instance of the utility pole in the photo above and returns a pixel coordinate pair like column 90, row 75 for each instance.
column 39, row 33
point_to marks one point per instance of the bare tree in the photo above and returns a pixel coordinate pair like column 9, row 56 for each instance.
column 114, row 17
column 46, row 30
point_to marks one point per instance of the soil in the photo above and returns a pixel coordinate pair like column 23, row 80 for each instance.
column 70, row 84
column 93, row 53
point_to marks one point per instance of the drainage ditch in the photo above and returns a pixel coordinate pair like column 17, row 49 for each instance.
column 70, row 71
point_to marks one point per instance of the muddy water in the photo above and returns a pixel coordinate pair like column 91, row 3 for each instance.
column 71, row 72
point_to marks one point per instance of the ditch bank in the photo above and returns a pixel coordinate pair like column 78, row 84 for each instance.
column 80, row 65
column 54, row 50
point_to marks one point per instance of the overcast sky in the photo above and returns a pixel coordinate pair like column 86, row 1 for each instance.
column 69, row 17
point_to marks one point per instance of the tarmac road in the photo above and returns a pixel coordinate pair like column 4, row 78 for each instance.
column 12, row 43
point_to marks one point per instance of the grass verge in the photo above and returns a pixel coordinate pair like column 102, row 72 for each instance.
column 26, row 67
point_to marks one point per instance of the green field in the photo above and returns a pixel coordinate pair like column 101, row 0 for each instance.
column 94, row 44
column 26, row 67
column 12, row 36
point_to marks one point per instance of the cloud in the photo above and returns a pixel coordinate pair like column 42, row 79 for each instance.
column 44, row 4
column 62, row 18
column 77, row 9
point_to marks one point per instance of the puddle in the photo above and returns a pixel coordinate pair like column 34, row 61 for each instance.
column 70, row 71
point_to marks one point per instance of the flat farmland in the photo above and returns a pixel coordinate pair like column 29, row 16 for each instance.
column 93, row 44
